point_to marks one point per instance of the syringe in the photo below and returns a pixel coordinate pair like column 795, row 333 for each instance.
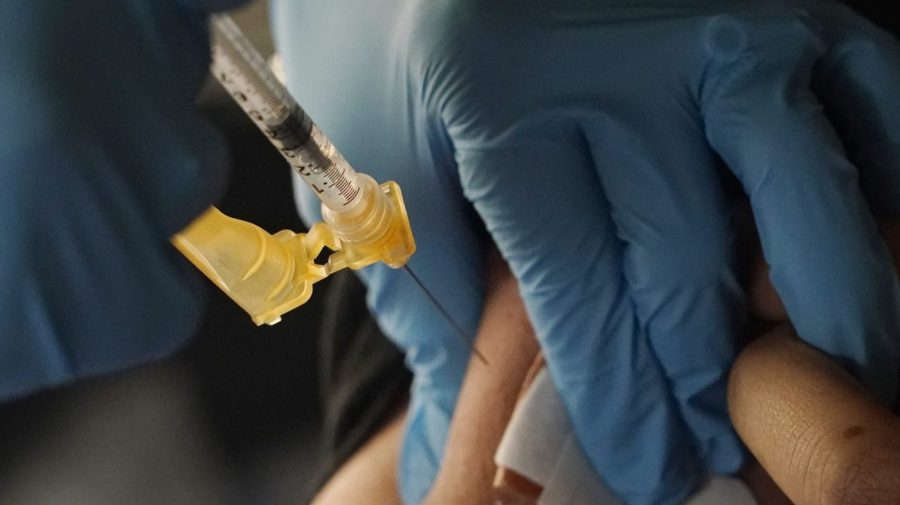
column 247, row 77
column 359, row 212
column 268, row 275
column 364, row 222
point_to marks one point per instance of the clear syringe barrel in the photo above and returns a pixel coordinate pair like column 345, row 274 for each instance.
column 243, row 72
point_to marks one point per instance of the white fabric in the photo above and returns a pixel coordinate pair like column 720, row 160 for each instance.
column 540, row 445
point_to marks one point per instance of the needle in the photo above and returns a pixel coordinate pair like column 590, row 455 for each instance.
column 443, row 311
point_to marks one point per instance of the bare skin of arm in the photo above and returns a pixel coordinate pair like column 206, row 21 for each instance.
column 485, row 406
column 488, row 394
column 819, row 435
column 370, row 476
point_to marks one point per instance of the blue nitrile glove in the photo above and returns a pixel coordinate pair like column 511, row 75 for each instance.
column 587, row 135
column 101, row 159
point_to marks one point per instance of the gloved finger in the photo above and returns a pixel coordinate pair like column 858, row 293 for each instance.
column 828, row 263
column 536, row 189
column 858, row 82
column 670, row 210
column 764, row 301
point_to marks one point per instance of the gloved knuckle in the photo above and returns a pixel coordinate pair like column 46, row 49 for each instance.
column 726, row 36
column 692, row 258
column 781, row 52
column 860, row 51
column 555, row 273
column 796, row 38
column 785, row 30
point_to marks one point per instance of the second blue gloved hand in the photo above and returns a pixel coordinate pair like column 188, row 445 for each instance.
column 588, row 137
column 102, row 158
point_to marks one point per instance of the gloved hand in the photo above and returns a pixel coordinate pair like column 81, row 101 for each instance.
column 588, row 135
column 102, row 158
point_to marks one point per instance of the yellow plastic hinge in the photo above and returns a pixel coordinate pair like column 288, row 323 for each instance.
column 268, row 275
